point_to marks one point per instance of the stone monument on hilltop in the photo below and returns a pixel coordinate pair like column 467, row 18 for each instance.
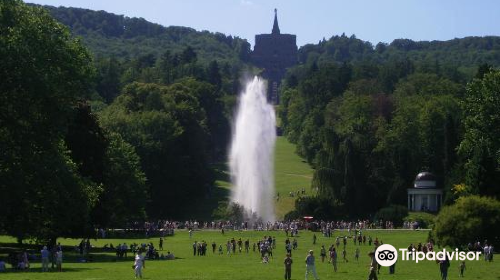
column 274, row 53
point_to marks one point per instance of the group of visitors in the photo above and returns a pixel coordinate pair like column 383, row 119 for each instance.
column 22, row 260
column 485, row 248
column 200, row 248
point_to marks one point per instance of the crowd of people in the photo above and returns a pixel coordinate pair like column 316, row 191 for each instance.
column 342, row 233
column 165, row 227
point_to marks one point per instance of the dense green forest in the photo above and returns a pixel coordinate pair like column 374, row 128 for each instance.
column 110, row 35
column 369, row 130
column 459, row 56
column 127, row 123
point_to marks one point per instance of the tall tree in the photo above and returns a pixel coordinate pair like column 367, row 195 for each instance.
column 481, row 144
column 44, row 73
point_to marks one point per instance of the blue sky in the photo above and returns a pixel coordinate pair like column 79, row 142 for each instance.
column 312, row 20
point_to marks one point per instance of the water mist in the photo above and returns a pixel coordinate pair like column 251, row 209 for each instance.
column 251, row 158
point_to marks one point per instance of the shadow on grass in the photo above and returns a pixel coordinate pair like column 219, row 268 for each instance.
column 39, row 270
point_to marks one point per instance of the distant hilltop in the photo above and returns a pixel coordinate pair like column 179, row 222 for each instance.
column 105, row 35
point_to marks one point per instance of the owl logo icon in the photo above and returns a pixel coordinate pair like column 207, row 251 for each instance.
column 386, row 255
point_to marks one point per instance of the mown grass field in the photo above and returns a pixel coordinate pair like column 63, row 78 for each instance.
column 292, row 174
column 243, row 266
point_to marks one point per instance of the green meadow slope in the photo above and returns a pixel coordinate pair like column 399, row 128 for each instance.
column 292, row 174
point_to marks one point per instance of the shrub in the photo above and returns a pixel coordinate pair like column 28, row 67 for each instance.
column 470, row 219
column 319, row 207
column 393, row 213
column 425, row 220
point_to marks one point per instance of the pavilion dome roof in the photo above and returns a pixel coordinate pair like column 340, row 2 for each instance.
column 425, row 180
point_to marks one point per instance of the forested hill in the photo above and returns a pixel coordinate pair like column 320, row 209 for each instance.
column 463, row 54
column 110, row 35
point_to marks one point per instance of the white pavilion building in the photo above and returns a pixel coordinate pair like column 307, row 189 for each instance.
column 425, row 195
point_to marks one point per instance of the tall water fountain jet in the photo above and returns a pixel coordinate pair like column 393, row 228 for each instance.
column 251, row 158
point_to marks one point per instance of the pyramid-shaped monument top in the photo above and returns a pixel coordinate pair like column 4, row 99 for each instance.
column 276, row 28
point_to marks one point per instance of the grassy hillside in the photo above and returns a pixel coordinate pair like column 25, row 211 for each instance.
column 292, row 174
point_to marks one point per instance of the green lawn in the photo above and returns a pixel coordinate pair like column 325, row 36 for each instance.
column 292, row 174
column 246, row 266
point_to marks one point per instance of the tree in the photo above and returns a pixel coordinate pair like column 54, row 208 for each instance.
column 470, row 219
column 214, row 76
column 87, row 143
column 480, row 146
column 44, row 73
column 188, row 55
column 393, row 213
column 167, row 127
column 108, row 82
column 124, row 194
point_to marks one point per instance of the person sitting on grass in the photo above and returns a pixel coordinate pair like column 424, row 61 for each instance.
column 265, row 259
column 170, row 256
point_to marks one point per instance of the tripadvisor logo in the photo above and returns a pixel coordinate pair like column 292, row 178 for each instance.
column 387, row 255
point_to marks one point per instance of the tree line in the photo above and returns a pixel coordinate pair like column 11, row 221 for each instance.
column 368, row 131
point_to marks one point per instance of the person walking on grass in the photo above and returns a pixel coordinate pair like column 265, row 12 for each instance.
column 344, row 255
column 443, row 267
column 45, row 259
column 228, row 247
column 59, row 259
column 373, row 267
column 323, row 253
column 462, row 268
column 288, row 267
column 333, row 258
column 2, row 266
column 310, row 265
column 139, row 264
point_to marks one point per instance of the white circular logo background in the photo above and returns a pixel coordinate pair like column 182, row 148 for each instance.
column 386, row 255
